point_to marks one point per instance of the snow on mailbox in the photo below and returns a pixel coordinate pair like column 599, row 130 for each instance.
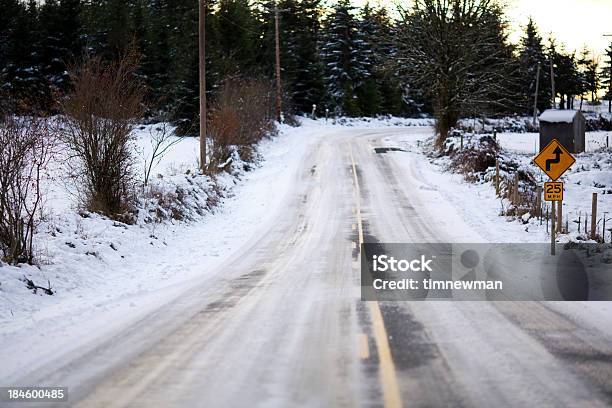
column 567, row 126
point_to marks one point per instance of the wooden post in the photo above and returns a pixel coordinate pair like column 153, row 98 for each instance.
column 594, row 217
column 553, row 238
column 202, row 73
column 560, row 216
column 539, row 202
column 586, row 223
column 279, row 115
column 516, row 189
column 497, row 177
column 461, row 141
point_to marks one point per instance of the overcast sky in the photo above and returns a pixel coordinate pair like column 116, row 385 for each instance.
column 573, row 22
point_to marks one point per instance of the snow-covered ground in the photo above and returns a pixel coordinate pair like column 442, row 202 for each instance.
column 528, row 143
column 599, row 108
column 100, row 269
column 377, row 122
column 481, row 208
column 90, row 261
column 96, row 265
column 592, row 173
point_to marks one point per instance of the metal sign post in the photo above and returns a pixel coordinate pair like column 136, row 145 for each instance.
column 554, row 160
column 553, row 230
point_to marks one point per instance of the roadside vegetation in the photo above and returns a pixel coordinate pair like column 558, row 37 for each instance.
column 27, row 146
column 90, row 145
column 99, row 70
column 447, row 59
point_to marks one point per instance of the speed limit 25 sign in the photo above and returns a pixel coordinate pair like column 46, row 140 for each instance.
column 553, row 191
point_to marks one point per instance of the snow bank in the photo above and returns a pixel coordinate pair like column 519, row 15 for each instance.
column 381, row 121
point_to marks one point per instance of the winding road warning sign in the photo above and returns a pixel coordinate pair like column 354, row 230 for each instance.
column 554, row 160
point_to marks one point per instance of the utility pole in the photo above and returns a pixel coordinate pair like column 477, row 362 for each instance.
column 202, row 62
column 610, row 90
column 537, row 91
column 279, row 115
column 552, row 82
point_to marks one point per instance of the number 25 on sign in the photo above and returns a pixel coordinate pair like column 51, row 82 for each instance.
column 553, row 191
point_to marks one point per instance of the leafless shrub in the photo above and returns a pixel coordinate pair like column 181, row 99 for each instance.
column 175, row 200
column 100, row 114
column 243, row 114
column 475, row 158
column 162, row 140
column 27, row 145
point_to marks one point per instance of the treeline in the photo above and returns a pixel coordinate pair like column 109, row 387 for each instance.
column 346, row 60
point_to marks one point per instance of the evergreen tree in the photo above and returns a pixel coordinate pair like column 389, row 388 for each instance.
column 302, row 76
column 233, row 44
column 22, row 79
column 387, row 68
column 60, row 45
column 567, row 78
column 153, row 38
column 353, row 62
column 182, row 23
column 301, row 70
column 588, row 75
column 341, row 51
column 532, row 54
column 607, row 77
column 309, row 87
column 118, row 36
column 368, row 38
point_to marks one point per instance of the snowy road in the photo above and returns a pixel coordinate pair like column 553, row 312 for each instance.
column 283, row 324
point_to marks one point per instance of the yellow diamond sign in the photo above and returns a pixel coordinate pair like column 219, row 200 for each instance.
column 554, row 160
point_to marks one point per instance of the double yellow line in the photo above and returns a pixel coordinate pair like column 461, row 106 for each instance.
column 388, row 379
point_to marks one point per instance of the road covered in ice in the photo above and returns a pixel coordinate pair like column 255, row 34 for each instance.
column 262, row 304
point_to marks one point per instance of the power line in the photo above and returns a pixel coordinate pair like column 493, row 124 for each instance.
column 237, row 25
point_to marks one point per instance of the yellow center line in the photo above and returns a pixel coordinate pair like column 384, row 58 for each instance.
column 364, row 348
column 388, row 379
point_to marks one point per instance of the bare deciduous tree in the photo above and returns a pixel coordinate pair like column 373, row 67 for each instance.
column 27, row 146
column 162, row 140
column 242, row 114
column 456, row 51
column 100, row 113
